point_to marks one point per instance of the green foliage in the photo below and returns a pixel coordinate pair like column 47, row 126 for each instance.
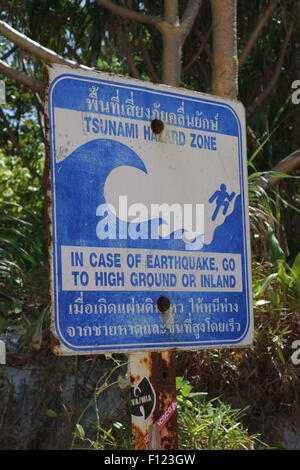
column 23, row 269
column 23, row 244
column 202, row 424
column 102, row 433
column 287, row 277
column 208, row 424
column 114, row 438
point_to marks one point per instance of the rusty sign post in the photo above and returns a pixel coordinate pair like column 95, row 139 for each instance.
column 148, row 228
column 153, row 397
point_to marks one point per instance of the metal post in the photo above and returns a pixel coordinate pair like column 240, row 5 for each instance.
column 153, row 387
column 2, row 352
column 153, row 398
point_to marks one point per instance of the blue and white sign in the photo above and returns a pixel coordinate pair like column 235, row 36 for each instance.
column 137, row 216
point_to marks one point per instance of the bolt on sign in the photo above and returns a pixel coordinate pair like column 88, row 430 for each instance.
column 149, row 216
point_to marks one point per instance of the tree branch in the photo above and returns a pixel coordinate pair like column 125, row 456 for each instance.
column 8, row 53
column 71, row 50
column 265, row 93
column 206, row 45
column 35, row 48
column 171, row 12
column 260, row 24
column 189, row 15
column 128, row 53
column 285, row 166
column 129, row 14
column 289, row 163
column 28, row 82
column 253, row 140
column 147, row 58
column 197, row 54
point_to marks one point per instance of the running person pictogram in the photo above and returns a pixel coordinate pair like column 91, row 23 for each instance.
column 222, row 200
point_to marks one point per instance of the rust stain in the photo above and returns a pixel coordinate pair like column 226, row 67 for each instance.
column 54, row 341
column 55, row 344
column 134, row 380
column 146, row 360
column 163, row 380
column 159, row 368
column 168, row 435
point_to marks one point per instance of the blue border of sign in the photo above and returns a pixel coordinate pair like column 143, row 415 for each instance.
column 151, row 346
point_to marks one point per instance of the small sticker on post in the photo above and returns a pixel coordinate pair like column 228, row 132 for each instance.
column 162, row 421
column 143, row 399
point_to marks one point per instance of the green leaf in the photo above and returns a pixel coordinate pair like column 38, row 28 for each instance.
column 281, row 357
column 261, row 302
column 296, row 266
column 265, row 284
column 186, row 390
column 275, row 299
column 277, row 252
column 51, row 413
column 262, row 145
column 189, row 403
column 80, row 431
column 118, row 425
column 198, row 394
column 179, row 381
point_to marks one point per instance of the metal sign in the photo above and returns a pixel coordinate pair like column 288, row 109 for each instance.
column 149, row 216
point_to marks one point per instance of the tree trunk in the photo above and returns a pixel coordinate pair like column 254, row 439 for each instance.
column 225, row 61
column 174, row 33
column 172, row 44
column 171, row 60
